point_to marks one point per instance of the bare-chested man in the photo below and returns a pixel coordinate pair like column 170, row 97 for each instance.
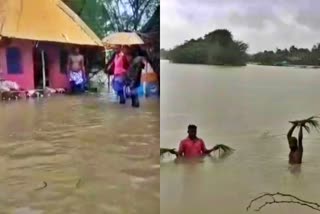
column 76, row 71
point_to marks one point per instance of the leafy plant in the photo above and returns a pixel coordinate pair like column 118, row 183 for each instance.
column 164, row 151
column 308, row 123
column 107, row 16
column 224, row 148
column 221, row 147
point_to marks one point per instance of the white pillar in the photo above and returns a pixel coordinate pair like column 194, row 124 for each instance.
column 43, row 70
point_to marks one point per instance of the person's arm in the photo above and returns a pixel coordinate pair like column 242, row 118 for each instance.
column 110, row 62
column 204, row 149
column 300, row 137
column 214, row 148
column 289, row 135
column 109, row 67
column 208, row 151
column 181, row 149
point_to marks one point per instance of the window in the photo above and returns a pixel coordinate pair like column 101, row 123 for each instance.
column 14, row 61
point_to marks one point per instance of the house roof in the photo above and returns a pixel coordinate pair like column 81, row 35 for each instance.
column 44, row 20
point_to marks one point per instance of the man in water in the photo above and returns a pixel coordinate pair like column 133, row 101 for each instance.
column 134, row 79
column 76, row 71
column 295, row 145
column 192, row 146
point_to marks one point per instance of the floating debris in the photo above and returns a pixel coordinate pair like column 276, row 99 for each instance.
column 40, row 188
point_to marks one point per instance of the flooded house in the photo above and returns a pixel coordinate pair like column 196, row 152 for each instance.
column 35, row 42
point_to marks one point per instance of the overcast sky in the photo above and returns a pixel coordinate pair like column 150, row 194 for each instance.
column 263, row 24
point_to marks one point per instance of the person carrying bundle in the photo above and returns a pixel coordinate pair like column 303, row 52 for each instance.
column 295, row 145
column 192, row 146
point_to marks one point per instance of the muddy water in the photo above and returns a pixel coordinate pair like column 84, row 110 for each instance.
column 94, row 155
column 247, row 108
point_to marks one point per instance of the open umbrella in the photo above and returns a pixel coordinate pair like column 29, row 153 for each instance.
column 122, row 38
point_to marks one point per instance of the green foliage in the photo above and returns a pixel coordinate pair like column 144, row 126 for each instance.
column 294, row 56
column 224, row 148
column 216, row 48
column 164, row 151
column 221, row 147
column 92, row 13
column 107, row 16
column 308, row 123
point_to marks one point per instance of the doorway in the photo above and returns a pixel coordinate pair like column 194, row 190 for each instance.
column 40, row 61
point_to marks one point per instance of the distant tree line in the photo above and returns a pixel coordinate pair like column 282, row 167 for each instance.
column 294, row 56
column 215, row 48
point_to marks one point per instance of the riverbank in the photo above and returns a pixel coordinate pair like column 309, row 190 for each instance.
column 249, row 63
column 186, row 63
column 289, row 65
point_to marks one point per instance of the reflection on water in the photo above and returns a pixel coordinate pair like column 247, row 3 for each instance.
column 248, row 109
column 95, row 156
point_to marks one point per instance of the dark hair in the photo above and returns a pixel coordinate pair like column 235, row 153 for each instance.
column 191, row 126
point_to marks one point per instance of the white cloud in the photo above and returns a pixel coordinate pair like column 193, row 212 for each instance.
column 262, row 24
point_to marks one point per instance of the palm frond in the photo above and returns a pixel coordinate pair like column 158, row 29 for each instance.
column 307, row 128
column 224, row 148
column 308, row 123
column 164, row 151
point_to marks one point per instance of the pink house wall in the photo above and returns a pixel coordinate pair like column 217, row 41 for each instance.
column 25, row 79
column 57, row 79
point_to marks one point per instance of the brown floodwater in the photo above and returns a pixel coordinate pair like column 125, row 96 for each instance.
column 94, row 155
column 247, row 108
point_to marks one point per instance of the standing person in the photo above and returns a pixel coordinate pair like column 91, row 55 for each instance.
column 295, row 145
column 192, row 146
column 133, row 78
column 76, row 71
column 121, row 65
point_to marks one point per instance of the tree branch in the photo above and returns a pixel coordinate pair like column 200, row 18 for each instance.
column 139, row 15
column 291, row 200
